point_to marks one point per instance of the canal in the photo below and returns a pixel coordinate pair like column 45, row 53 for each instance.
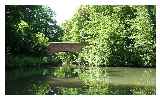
column 75, row 80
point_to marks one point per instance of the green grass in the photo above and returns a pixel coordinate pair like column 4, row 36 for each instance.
column 22, row 61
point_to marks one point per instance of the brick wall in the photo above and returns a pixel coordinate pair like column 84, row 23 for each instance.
column 64, row 47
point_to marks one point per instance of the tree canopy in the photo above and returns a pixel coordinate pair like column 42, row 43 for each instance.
column 114, row 35
column 110, row 35
column 29, row 28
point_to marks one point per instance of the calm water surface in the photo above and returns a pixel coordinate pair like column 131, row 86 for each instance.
column 68, row 80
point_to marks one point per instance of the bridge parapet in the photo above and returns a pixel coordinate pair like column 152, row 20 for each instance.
column 64, row 47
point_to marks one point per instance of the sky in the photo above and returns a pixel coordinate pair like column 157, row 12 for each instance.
column 64, row 9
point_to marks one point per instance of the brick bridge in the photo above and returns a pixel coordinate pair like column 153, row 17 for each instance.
column 64, row 47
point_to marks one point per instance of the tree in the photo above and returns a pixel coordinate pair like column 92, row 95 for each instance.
column 29, row 28
column 113, row 35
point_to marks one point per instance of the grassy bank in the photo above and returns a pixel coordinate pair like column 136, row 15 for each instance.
column 22, row 61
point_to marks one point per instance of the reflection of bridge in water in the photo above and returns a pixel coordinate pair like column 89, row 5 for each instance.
column 64, row 47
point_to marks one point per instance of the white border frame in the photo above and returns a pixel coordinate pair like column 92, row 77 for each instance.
column 99, row 2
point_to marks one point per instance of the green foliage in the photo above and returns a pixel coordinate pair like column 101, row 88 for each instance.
column 40, row 42
column 40, row 89
column 143, row 91
column 29, row 28
column 30, row 61
column 22, row 61
column 66, row 72
column 69, row 91
column 67, row 57
column 21, row 26
column 93, row 74
column 40, row 38
column 114, row 35
column 96, row 80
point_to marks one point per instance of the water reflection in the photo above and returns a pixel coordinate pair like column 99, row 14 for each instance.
column 73, row 80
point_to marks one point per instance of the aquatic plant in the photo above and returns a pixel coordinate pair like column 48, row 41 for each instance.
column 95, row 79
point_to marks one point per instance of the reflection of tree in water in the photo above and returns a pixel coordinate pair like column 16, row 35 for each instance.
column 146, row 77
column 145, row 81
column 143, row 91
column 88, row 81
column 95, row 80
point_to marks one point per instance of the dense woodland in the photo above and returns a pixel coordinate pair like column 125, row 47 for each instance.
column 110, row 35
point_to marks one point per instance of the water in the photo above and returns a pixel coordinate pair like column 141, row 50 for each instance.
column 73, row 80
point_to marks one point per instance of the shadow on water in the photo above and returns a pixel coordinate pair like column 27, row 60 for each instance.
column 70, row 80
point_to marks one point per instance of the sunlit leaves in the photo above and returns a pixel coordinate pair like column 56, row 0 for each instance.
column 114, row 35
column 22, row 25
column 40, row 38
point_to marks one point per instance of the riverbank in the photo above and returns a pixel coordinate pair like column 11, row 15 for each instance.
column 20, row 61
